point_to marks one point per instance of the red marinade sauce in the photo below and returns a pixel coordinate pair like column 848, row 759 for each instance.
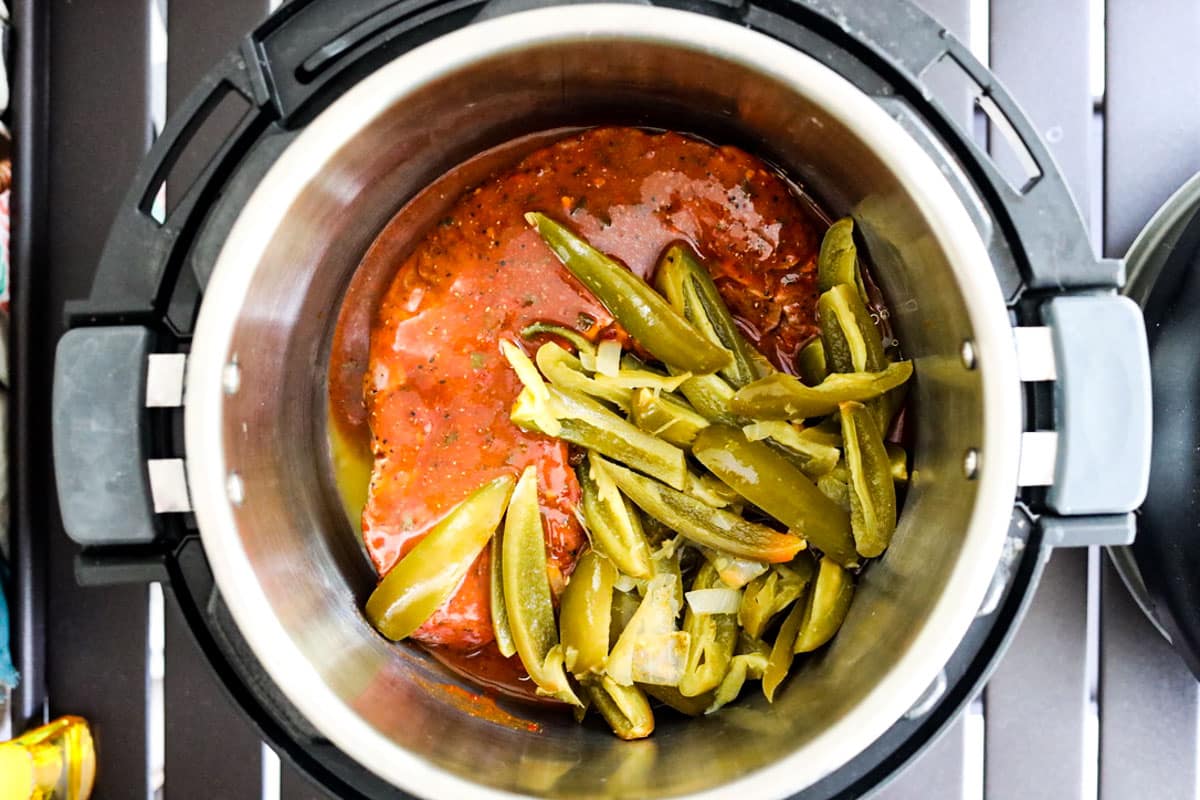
column 436, row 390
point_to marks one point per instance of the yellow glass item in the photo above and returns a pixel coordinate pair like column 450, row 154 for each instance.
column 56, row 761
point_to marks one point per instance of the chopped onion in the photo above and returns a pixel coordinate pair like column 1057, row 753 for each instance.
column 714, row 601
column 735, row 572
column 655, row 615
column 608, row 358
column 626, row 583
column 540, row 405
column 660, row 658
column 644, row 379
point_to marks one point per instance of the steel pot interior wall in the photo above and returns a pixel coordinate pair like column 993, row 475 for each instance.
column 293, row 572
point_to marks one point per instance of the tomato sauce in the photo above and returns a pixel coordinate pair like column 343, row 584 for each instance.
column 424, row 370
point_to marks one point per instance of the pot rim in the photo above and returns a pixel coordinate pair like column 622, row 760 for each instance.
column 301, row 164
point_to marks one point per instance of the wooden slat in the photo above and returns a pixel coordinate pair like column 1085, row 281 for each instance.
column 1054, row 87
column 1152, row 119
column 1035, row 703
column 1149, row 703
column 209, row 746
column 955, row 15
column 1037, row 699
column 294, row 786
column 100, row 128
column 1148, row 706
column 29, row 351
column 937, row 774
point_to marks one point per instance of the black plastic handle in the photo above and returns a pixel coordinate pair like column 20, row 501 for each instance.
column 101, row 439
column 142, row 255
column 906, row 42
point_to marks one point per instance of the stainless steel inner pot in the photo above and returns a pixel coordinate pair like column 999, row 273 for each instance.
column 293, row 572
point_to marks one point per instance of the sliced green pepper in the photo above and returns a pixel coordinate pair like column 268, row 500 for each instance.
column 668, row 560
column 838, row 260
column 811, row 362
column 664, row 416
column 670, row 696
column 585, row 614
column 527, row 592
column 690, row 288
column 827, row 432
column 872, row 488
column 584, row 422
column 709, row 490
column 566, row 372
column 782, row 651
column 704, row 525
column 898, row 458
column 624, row 606
column 616, row 528
column 710, row 396
column 836, row 490
column 851, row 341
column 735, row 572
column 769, row 594
column 499, row 612
column 781, row 396
column 581, row 343
column 429, row 574
column 743, row 667
column 771, row 482
column 624, row 708
column 814, row 457
column 643, row 312
column 660, row 659
column 825, row 608
column 713, row 638
column 654, row 618
column 888, row 406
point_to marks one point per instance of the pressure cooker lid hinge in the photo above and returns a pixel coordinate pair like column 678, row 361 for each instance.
column 1090, row 458
column 116, row 467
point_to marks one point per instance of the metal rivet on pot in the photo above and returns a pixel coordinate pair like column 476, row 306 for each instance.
column 235, row 489
column 231, row 377
column 968, row 354
column 971, row 464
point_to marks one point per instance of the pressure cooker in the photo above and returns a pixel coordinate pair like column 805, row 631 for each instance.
column 189, row 416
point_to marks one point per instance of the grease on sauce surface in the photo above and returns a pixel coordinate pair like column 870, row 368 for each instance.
column 430, row 381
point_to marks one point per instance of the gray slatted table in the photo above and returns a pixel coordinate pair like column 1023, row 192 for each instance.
column 1088, row 703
